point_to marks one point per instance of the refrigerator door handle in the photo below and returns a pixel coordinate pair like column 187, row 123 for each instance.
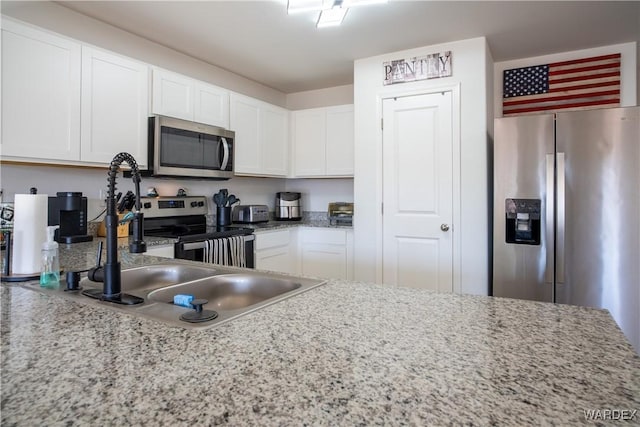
column 548, row 229
column 561, row 218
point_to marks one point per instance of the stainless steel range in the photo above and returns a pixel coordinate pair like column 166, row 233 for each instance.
column 184, row 218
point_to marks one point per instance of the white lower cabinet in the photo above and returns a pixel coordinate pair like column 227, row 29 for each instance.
column 326, row 252
column 164, row 251
column 275, row 250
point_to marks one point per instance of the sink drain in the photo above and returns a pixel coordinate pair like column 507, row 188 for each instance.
column 199, row 315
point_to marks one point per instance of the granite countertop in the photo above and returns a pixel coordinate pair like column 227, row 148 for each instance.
column 309, row 219
column 277, row 225
column 345, row 353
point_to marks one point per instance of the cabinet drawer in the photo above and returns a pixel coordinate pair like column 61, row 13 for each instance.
column 324, row 235
column 273, row 239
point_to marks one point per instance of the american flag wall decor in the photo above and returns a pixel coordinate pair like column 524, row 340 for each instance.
column 569, row 85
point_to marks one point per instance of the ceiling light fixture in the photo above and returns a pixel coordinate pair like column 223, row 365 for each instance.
column 354, row 3
column 332, row 12
column 331, row 17
column 298, row 6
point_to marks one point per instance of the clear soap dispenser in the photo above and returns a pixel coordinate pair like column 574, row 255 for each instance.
column 50, row 273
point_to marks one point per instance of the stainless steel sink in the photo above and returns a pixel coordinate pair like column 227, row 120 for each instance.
column 229, row 291
column 156, row 276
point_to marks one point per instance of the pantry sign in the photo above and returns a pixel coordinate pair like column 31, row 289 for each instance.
column 430, row 66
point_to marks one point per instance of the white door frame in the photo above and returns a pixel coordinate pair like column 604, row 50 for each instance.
column 396, row 92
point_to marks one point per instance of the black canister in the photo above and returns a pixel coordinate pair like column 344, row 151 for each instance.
column 223, row 216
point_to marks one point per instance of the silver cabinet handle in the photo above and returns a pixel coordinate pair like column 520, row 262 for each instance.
column 444, row 227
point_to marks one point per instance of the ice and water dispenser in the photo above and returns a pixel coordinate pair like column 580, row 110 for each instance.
column 523, row 221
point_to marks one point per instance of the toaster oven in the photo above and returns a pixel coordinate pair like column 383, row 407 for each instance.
column 250, row 214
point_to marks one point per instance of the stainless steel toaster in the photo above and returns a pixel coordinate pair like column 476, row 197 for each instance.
column 250, row 213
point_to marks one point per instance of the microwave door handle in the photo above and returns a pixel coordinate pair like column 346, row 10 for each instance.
column 225, row 153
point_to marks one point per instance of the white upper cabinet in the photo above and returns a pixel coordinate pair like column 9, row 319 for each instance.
column 275, row 142
column 211, row 105
column 40, row 94
column 115, row 99
column 340, row 141
column 172, row 95
column 261, row 132
column 309, row 142
column 68, row 103
column 323, row 142
column 178, row 96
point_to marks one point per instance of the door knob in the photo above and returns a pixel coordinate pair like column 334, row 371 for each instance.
column 444, row 227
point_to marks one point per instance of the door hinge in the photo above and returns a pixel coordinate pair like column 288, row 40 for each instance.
column 381, row 208
column 382, row 124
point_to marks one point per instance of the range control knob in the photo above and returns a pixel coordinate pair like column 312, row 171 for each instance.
column 147, row 205
column 194, row 204
column 200, row 204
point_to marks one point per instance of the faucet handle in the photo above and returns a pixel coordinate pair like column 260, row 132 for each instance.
column 96, row 273
column 99, row 254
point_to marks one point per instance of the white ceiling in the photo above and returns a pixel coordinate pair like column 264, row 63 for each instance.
column 258, row 40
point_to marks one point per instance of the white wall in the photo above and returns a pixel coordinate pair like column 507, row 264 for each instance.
column 338, row 95
column 17, row 179
column 470, row 75
column 318, row 193
column 628, row 71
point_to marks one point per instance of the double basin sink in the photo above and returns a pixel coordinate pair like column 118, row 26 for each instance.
column 229, row 292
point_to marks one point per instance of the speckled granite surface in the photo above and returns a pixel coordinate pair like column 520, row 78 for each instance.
column 309, row 219
column 346, row 353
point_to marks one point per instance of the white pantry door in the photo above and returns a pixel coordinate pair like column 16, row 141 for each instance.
column 417, row 144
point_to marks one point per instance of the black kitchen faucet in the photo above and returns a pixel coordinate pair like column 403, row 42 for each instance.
column 109, row 274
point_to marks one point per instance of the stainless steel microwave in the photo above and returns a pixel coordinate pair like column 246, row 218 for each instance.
column 187, row 149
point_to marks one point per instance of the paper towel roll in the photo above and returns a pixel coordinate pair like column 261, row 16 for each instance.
column 30, row 213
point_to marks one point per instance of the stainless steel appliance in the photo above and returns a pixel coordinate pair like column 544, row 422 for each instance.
column 250, row 214
column 567, row 211
column 288, row 206
column 69, row 211
column 188, row 149
column 183, row 218
column 340, row 213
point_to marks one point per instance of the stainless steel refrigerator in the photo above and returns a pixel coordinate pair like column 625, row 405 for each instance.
column 567, row 211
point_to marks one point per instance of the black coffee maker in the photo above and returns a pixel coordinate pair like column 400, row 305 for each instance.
column 69, row 211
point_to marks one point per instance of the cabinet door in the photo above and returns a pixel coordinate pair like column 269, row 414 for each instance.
column 211, row 105
column 324, row 252
column 340, row 141
column 172, row 95
column 323, row 260
column 114, row 107
column 164, row 251
column 244, row 120
column 274, row 141
column 274, row 251
column 309, row 142
column 40, row 94
column 275, row 259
